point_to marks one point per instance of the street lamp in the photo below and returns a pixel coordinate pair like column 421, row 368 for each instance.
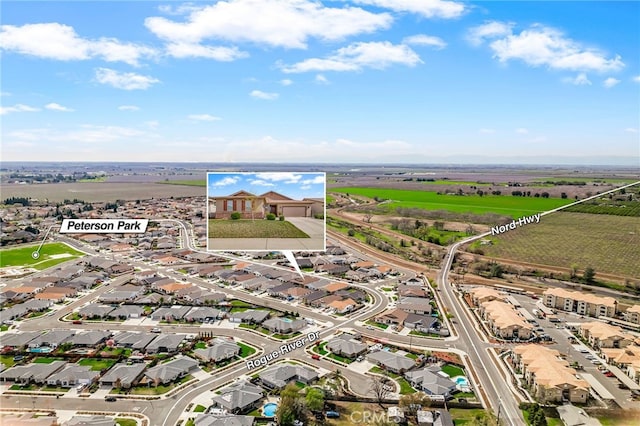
column 499, row 409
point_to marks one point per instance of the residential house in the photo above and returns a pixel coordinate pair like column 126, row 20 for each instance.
column 124, row 312
column 632, row 314
column 89, row 338
column 279, row 375
column 391, row 361
column 284, row 325
column 123, row 375
column 239, row 398
column 202, row 313
column 165, row 343
column 17, row 340
column 223, row 420
column 168, row 372
column 415, row 305
column 423, row 323
column 249, row 206
column 133, row 340
column 392, row 317
column 219, row 349
column 432, row 381
column 346, row 345
column 173, row 313
column 72, row 375
column 250, row 316
column 343, row 306
column 51, row 339
column 480, row 295
column 31, row 373
column 434, row 418
column 91, row 311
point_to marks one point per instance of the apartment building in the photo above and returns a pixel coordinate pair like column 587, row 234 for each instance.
column 581, row 303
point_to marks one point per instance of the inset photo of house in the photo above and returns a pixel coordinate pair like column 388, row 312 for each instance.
column 266, row 211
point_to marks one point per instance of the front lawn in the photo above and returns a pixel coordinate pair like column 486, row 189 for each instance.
column 340, row 358
column 7, row 360
column 199, row 409
column 245, row 350
column 97, row 364
column 126, row 422
column 259, row 228
column 377, row 324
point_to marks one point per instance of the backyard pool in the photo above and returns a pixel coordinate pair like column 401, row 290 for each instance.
column 40, row 350
column 462, row 383
column 269, row 410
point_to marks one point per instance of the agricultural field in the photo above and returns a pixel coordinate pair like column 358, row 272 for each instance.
column 502, row 204
column 49, row 255
column 100, row 191
column 195, row 182
column 609, row 244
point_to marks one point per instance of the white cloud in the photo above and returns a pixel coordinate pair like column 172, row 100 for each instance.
column 425, row 40
column 57, row 107
column 229, row 180
column 195, row 50
column 491, row 29
column 152, row 124
column 486, row 131
column 203, row 117
column 83, row 134
column 17, row 108
column 356, row 56
column 282, row 23
column 285, row 177
column 61, row 42
column 579, row 80
column 267, row 96
column 305, row 187
column 129, row 108
column 286, row 82
column 522, row 131
column 540, row 45
column 631, row 130
column 316, row 180
column 426, row 8
column 260, row 182
column 5, row 93
column 124, row 80
column 636, row 79
column 321, row 79
column 610, row 82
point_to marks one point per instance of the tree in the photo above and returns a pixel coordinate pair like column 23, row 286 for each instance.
column 291, row 406
column 315, row 399
column 380, row 388
column 589, row 274
column 413, row 402
column 496, row 270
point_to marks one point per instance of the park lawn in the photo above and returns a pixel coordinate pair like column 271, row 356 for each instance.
column 429, row 200
column 50, row 254
column 194, row 182
column 452, row 370
column 97, row 364
column 259, row 228
column 245, row 350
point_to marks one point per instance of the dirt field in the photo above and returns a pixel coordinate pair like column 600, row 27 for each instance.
column 100, row 191
column 609, row 244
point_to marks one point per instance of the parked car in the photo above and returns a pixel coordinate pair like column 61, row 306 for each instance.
column 316, row 357
column 110, row 398
column 156, row 330
column 332, row 414
column 77, row 321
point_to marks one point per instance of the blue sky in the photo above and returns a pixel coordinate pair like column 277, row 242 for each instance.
column 383, row 81
column 293, row 185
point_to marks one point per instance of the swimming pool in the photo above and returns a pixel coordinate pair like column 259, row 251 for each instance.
column 461, row 381
column 40, row 350
column 269, row 409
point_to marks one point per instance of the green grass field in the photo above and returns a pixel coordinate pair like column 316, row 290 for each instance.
column 609, row 244
column 429, row 200
column 195, row 182
column 97, row 364
column 50, row 254
column 455, row 182
column 223, row 228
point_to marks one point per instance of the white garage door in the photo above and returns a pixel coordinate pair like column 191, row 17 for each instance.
column 293, row 211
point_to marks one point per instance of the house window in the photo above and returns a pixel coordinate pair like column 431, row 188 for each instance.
column 229, row 206
column 247, row 204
